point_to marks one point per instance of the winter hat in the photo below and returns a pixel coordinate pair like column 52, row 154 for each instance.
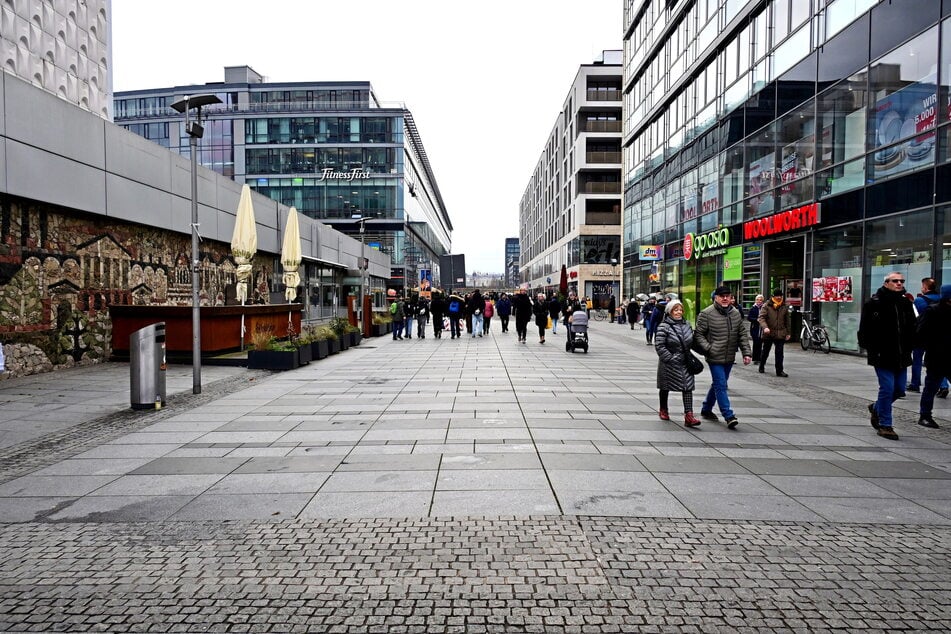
column 671, row 305
column 778, row 292
column 946, row 292
column 722, row 290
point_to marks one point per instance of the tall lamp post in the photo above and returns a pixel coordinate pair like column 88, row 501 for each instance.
column 364, row 267
column 195, row 131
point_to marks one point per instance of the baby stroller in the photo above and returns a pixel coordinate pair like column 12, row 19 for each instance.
column 577, row 332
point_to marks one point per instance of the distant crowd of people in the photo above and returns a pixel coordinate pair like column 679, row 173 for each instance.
column 898, row 331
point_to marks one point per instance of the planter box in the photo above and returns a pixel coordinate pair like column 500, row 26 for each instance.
column 319, row 349
column 344, row 341
column 304, row 355
column 273, row 359
column 333, row 345
column 355, row 339
column 378, row 330
column 389, row 327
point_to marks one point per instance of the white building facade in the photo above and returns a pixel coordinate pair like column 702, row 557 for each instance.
column 570, row 213
column 63, row 47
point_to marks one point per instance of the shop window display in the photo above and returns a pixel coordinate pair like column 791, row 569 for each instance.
column 904, row 108
column 761, row 171
column 838, row 253
column 900, row 243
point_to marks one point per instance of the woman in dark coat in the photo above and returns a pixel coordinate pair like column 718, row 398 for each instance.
column 672, row 342
column 540, row 309
column 522, row 306
column 438, row 308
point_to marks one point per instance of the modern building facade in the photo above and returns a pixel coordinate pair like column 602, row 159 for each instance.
column 61, row 47
column 512, row 251
column 570, row 213
column 330, row 149
column 452, row 271
column 795, row 144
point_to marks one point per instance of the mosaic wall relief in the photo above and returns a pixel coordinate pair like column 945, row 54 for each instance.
column 60, row 271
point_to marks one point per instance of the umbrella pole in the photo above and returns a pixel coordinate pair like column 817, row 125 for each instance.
column 242, row 326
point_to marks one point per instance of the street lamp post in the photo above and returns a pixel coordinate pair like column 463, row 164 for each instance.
column 364, row 267
column 195, row 131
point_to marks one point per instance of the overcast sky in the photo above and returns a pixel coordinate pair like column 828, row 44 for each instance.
column 485, row 81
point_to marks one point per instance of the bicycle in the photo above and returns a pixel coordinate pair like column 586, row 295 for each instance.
column 814, row 335
column 600, row 314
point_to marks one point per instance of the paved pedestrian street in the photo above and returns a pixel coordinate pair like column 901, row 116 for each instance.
column 472, row 485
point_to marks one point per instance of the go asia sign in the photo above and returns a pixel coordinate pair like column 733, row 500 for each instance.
column 783, row 222
column 696, row 246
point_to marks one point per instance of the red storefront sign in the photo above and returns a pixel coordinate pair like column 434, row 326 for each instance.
column 783, row 222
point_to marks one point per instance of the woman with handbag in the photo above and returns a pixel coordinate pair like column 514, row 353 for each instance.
column 676, row 365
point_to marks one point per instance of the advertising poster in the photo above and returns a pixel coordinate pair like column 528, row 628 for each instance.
column 910, row 113
column 794, row 292
column 832, row 288
column 425, row 283
column 762, row 172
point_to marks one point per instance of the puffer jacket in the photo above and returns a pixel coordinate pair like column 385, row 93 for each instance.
column 674, row 337
column 720, row 333
column 887, row 330
column 775, row 318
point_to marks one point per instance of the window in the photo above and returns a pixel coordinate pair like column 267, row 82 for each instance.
column 841, row 121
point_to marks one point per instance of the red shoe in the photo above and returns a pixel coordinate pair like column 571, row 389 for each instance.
column 663, row 414
column 690, row 420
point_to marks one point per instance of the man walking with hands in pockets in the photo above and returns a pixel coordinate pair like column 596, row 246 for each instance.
column 721, row 331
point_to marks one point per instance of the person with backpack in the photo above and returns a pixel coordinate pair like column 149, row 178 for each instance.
column 934, row 336
column 397, row 312
column 455, row 312
column 926, row 298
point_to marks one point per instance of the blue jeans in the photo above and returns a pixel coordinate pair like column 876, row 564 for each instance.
column 477, row 324
column 397, row 329
column 720, row 373
column 917, row 362
column 554, row 324
column 891, row 385
column 933, row 381
column 454, row 324
column 409, row 327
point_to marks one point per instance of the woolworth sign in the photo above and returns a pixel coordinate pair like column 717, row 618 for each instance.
column 696, row 246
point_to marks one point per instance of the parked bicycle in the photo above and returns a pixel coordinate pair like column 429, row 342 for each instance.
column 600, row 314
column 814, row 335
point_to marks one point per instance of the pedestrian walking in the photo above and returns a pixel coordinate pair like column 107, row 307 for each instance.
column 633, row 312
column 487, row 315
column 612, row 306
column 776, row 327
column 648, row 314
column 475, row 308
column 422, row 317
column 554, row 310
column 540, row 310
column 437, row 307
column 887, row 332
column 672, row 345
column 752, row 316
column 397, row 312
column 411, row 307
column 522, row 306
column 720, row 332
column 934, row 337
column 504, row 308
column 455, row 309
column 927, row 297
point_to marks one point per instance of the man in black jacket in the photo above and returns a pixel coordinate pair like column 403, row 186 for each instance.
column 887, row 332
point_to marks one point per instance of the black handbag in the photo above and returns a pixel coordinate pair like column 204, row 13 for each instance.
column 691, row 362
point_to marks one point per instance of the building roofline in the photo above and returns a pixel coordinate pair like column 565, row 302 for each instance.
column 417, row 142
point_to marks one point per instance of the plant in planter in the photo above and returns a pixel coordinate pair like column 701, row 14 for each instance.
column 339, row 326
column 328, row 336
column 309, row 337
column 381, row 324
column 270, row 354
column 326, row 342
column 302, row 343
column 354, row 333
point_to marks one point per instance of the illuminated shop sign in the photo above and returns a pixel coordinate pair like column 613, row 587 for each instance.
column 709, row 243
column 784, row 222
column 650, row 252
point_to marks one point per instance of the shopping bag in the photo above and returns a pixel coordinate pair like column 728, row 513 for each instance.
column 549, row 323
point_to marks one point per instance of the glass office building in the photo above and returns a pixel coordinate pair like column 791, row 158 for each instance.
column 801, row 144
column 330, row 149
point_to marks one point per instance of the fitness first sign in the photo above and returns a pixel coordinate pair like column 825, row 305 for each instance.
column 709, row 243
column 783, row 222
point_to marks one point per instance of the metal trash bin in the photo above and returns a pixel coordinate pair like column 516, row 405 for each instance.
column 147, row 366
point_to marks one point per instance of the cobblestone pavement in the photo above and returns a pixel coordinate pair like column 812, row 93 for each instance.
column 474, row 486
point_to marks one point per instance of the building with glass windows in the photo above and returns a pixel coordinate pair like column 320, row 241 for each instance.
column 799, row 144
column 570, row 213
column 330, row 149
column 512, row 252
